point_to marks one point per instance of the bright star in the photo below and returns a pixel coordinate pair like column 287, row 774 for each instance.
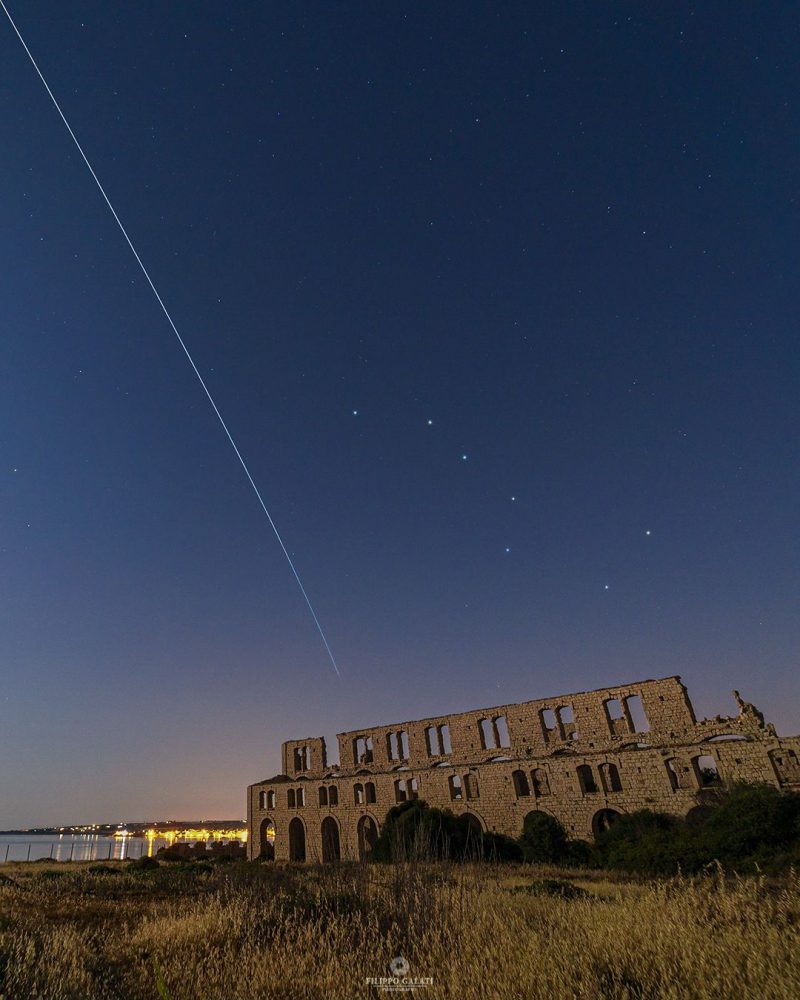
column 355, row 413
column 605, row 587
column 430, row 423
column 463, row 458
column 647, row 532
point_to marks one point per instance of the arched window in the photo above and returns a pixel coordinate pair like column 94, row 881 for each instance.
column 333, row 796
column 471, row 787
column 262, row 800
column 369, row 791
column 473, row 835
column 358, row 794
column 367, row 833
column 604, row 820
column 586, row 779
column 290, row 798
column 270, row 799
column 609, row 775
column 540, row 781
column 406, row 789
column 456, row 787
column 300, row 797
column 267, row 839
column 521, row 787
column 323, row 795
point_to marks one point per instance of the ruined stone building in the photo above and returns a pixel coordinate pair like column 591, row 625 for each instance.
column 584, row 758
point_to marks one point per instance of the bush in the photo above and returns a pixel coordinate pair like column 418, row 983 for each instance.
column 543, row 839
column 415, row 831
column 499, row 847
column 103, row 870
column 552, row 887
column 750, row 819
column 741, row 827
column 643, row 841
column 144, row 864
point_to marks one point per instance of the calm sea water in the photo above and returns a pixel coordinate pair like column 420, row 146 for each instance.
column 74, row 847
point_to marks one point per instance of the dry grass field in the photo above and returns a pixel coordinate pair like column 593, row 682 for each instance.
column 252, row 932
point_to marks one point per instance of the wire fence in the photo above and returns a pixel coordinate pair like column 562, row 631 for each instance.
column 73, row 850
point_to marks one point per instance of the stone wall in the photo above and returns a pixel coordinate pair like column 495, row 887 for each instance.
column 584, row 758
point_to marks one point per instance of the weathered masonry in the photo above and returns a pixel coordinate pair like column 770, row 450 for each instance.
column 584, row 758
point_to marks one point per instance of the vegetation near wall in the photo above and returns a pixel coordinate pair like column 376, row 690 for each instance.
column 744, row 828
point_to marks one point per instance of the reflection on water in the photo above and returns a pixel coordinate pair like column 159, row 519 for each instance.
column 76, row 847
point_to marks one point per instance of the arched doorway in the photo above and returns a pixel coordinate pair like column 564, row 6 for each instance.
column 367, row 831
column 266, row 839
column 297, row 840
column 330, row 840
column 473, row 835
column 603, row 820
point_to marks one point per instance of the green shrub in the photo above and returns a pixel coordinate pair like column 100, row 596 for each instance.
column 415, row 831
column 543, row 839
column 552, row 887
column 749, row 819
column 643, row 841
column 740, row 827
column 144, row 864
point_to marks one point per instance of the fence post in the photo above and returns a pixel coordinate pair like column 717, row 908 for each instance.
column 29, row 853
column 8, row 847
column 110, row 849
column 71, row 850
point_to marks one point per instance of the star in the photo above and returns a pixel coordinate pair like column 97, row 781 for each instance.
column 355, row 413
column 508, row 550
column 513, row 498
column 647, row 532
column 430, row 423
column 605, row 587
column 463, row 458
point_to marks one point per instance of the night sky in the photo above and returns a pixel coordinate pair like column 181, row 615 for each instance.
column 500, row 304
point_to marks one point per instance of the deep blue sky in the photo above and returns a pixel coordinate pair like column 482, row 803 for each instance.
column 566, row 234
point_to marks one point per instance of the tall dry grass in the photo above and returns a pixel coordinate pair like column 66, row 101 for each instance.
column 248, row 932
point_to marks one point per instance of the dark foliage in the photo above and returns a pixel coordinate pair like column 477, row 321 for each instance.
column 143, row 864
column 543, row 839
column 744, row 827
column 415, row 831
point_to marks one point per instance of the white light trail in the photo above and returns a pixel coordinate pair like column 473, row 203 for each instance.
column 175, row 331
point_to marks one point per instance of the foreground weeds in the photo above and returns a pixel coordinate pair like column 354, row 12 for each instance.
column 258, row 932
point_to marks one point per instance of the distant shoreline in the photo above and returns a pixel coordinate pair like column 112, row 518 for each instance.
column 138, row 829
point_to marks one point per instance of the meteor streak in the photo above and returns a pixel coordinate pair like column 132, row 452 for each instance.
column 180, row 338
